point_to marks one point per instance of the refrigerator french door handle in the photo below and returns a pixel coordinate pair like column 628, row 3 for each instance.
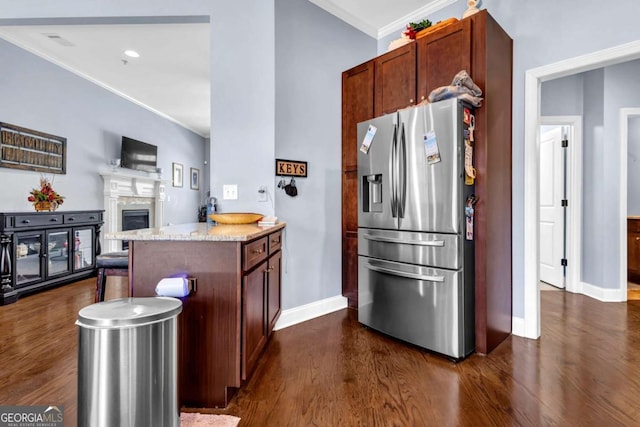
column 401, row 192
column 405, row 274
column 404, row 242
column 393, row 172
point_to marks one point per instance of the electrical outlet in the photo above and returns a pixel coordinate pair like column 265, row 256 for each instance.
column 262, row 193
column 230, row 192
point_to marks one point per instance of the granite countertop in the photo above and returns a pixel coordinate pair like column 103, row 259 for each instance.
column 199, row 231
column 633, row 217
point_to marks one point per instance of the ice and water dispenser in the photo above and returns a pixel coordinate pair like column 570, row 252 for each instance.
column 372, row 193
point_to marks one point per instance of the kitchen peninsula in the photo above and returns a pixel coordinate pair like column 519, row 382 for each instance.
column 226, row 323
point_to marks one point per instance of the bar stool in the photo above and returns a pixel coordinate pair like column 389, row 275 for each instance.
column 110, row 264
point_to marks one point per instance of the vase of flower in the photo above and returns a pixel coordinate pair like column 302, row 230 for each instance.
column 45, row 198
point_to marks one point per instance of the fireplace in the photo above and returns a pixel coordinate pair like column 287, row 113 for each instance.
column 133, row 219
column 126, row 191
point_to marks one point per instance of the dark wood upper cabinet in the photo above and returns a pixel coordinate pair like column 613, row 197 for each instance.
column 357, row 106
column 441, row 55
column 395, row 79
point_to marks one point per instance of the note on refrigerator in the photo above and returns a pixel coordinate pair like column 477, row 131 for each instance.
column 431, row 148
column 368, row 139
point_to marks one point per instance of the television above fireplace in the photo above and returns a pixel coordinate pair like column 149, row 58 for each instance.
column 138, row 155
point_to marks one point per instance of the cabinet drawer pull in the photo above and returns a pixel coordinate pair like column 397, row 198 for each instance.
column 275, row 241
column 54, row 220
column 26, row 221
column 257, row 251
column 73, row 218
column 92, row 217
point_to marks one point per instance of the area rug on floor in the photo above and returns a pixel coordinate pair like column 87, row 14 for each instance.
column 207, row 420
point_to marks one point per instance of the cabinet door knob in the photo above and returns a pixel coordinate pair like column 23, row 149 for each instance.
column 411, row 101
column 422, row 98
column 637, row 238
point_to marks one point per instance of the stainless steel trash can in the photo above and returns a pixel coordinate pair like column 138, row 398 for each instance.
column 127, row 363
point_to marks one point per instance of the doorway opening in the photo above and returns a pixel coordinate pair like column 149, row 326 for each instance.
column 629, row 202
column 533, row 79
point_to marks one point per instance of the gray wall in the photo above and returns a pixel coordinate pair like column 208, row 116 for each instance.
column 562, row 97
column 312, row 49
column 593, row 257
column 544, row 32
column 633, row 166
column 42, row 96
column 242, row 101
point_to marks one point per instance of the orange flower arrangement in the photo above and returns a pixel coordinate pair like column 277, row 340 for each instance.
column 45, row 193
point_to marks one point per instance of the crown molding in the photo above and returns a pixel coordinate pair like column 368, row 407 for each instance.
column 416, row 15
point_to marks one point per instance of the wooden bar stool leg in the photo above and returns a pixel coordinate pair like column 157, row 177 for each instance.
column 100, row 285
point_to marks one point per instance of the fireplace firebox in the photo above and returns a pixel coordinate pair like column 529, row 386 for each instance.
column 134, row 219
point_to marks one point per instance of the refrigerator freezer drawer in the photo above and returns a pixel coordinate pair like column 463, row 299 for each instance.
column 437, row 250
column 424, row 306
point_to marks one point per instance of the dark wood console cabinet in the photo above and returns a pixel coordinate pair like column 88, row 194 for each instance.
column 405, row 77
column 43, row 249
column 633, row 249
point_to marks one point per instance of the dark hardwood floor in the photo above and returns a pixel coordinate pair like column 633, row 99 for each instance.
column 331, row 371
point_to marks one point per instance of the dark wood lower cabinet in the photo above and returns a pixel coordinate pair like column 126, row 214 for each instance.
column 254, row 329
column 633, row 250
column 225, row 325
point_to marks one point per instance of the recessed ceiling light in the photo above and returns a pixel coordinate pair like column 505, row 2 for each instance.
column 131, row 53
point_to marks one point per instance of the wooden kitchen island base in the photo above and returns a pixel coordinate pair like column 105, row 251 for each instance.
column 226, row 323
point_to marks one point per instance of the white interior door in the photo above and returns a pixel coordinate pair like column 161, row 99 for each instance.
column 551, row 211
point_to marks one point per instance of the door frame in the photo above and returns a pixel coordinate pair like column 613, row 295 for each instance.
column 573, row 227
column 530, row 325
column 625, row 114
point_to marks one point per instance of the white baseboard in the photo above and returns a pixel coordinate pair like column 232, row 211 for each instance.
column 602, row 294
column 293, row 316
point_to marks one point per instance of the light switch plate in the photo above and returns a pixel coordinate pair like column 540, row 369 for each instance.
column 262, row 193
column 230, row 192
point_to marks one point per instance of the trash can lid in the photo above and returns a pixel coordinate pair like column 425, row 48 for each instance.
column 129, row 312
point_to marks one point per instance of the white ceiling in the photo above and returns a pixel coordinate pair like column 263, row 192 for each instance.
column 171, row 76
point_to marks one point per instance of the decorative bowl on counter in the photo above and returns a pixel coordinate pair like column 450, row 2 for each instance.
column 235, row 218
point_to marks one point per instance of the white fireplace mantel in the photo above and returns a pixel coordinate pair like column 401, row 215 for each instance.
column 122, row 189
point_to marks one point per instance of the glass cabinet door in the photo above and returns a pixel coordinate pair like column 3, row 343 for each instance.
column 58, row 252
column 28, row 250
column 83, row 248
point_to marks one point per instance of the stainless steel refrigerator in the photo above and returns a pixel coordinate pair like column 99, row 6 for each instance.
column 415, row 226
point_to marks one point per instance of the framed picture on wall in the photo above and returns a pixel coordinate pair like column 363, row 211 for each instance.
column 195, row 179
column 178, row 174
